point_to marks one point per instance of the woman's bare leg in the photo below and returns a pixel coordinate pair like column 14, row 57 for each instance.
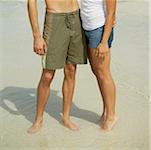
column 101, row 69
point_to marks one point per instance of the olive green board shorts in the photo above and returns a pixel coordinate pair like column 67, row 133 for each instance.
column 65, row 40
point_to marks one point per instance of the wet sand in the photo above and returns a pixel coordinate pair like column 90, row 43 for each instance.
column 20, row 71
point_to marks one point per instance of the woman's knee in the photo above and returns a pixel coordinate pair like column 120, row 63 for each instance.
column 101, row 73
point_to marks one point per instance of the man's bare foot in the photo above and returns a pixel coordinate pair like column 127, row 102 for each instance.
column 109, row 124
column 34, row 128
column 69, row 124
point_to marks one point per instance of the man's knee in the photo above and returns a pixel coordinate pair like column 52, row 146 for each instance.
column 47, row 77
column 70, row 71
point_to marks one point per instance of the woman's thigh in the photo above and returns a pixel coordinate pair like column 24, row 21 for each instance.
column 98, row 63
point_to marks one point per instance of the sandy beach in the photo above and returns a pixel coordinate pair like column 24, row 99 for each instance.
column 20, row 71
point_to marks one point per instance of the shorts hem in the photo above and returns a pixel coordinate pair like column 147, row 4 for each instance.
column 61, row 67
column 97, row 47
column 80, row 63
column 52, row 68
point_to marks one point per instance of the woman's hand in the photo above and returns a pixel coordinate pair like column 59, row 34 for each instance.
column 39, row 46
column 102, row 49
column 114, row 23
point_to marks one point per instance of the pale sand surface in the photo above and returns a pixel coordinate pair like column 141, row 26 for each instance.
column 20, row 71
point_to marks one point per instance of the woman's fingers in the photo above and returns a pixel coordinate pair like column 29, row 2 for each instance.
column 100, row 52
column 96, row 52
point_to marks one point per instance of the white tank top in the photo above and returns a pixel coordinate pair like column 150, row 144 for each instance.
column 92, row 13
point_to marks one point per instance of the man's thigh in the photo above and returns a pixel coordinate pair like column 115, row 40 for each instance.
column 57, row 40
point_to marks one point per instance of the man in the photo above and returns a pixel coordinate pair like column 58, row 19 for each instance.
column 61, row 46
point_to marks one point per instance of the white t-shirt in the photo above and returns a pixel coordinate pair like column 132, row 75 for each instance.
column 92, row 13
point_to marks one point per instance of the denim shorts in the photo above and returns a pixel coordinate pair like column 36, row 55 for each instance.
column 94, row 37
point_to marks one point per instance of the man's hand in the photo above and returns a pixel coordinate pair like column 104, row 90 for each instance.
column 102, row 49
column 39, row 46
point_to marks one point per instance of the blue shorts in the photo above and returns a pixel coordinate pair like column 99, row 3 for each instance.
column 94, row 37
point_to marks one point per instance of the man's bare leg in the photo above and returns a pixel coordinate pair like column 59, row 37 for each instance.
column 101, row 69
column 43, row 92
column 67, row 90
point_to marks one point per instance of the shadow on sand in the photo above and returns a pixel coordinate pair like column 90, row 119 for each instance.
column 24, row 100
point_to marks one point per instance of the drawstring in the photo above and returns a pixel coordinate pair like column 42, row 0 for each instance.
column 69, row 20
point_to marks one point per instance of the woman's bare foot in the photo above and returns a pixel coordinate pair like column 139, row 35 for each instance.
column 35, row 127
column 109, row 124
column 69, row 124
column 102, row 119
